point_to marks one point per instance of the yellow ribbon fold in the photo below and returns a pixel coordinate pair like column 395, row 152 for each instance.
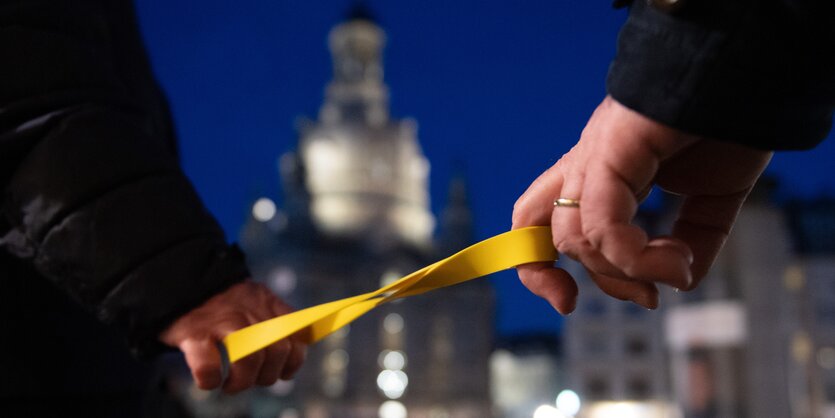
column 504, row 251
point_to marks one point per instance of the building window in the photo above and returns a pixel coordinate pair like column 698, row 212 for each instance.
column 636, row 346
column 595, row 345
column 597, row 388
column 638, row 388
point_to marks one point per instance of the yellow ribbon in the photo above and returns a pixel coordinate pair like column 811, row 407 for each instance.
column 504, row 251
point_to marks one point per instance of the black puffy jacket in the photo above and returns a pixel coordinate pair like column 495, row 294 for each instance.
column 93, row 202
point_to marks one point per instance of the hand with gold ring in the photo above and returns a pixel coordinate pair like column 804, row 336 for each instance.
column 620, row 156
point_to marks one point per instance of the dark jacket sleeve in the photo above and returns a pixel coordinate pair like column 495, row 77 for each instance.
column 757, row 72
column 92, row 192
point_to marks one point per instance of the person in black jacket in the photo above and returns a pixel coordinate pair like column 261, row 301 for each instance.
column 97, row 217
column 699, row 95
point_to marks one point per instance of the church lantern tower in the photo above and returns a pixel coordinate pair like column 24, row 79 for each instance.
column 365, row 172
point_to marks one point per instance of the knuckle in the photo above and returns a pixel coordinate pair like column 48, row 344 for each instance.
column 284, row 347
column 562, row 246
column 231, row 324
column 517, row 205
column 262, row 289
column 519, row 217
column 299, row 351
column 570, row 246
column 594, row 233
column 253, row 288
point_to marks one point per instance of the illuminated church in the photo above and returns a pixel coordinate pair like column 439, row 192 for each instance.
column 355, row 216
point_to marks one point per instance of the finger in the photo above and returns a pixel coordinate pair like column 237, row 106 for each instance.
column 204, row 361
column 263, row 367
column 703, row 224
column 535, row 205
column 641, row 293
column 275, row 358
column 552, row 284
column 243, row 373
column 295, row 360
column 297, row 349
column 607, row 211
column 593, row 261
column 566, row 227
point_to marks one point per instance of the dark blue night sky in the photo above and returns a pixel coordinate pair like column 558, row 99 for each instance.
column 503, row 87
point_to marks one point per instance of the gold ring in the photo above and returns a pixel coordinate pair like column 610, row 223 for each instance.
column 567, row 203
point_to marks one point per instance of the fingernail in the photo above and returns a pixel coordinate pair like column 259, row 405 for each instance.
column 647, row 301
column 688, row 279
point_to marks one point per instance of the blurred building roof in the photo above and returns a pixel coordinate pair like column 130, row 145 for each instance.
column 360, row 11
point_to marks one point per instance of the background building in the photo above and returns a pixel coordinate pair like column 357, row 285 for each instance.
column 755, row 339
column 740, row 319
column 356, row 216
column 615, row 356
column 525, row 374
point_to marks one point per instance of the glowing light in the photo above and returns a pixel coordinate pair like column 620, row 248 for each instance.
column 325, row 156
column 263, row 210
column 392, row 409
column 438, row 413
column 629, row 409
column 393, row 323
column 625, row 408
column 289, row 413
column 393, row 383
column 341, row 333
column 336, row 361
column 394, row 360
column 283, row 280
column 547, row 411
column 389, row 277
column 568, row 402
column 381, row 358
